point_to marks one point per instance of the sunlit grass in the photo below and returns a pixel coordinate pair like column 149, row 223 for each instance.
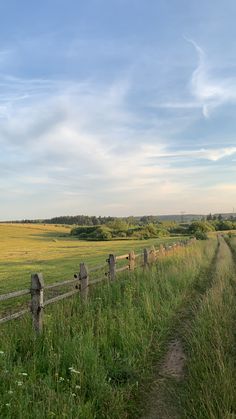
column 209, row 391
column 30, row 248
column 91, row 360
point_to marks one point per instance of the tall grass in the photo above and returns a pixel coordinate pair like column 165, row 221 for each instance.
column 209, row 391
column 90, row 361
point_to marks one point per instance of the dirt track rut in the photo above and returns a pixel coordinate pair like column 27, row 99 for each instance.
column 171, row 370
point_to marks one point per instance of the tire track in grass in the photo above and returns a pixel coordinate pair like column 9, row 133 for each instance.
column 233, row 255
column 208, row 389
column 161, row 402
column 232, row 250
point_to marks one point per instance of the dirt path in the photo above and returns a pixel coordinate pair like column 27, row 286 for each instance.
column 233, row 252
column 162, row 401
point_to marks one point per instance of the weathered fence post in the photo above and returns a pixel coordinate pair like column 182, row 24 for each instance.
column 161, row 250
column 153, row 254
column 131, row 260
column 84, row 281
column 36, row 290
column 145, row 258
column 112, row 267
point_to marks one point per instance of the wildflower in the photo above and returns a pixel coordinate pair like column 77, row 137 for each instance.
column 61, row 379
column 1, row 353
column 73, row 395
column 10, row 392
column 74, row 371
column 23, row 373
column 78, row 387
column 8, row 404
column 19, row 383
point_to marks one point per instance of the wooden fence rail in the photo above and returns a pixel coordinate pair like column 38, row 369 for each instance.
column 82, row 281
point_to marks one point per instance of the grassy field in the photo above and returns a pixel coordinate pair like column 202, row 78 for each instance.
column 93, row 362
column 102, row 360
column 30, row 248
column 209, row 390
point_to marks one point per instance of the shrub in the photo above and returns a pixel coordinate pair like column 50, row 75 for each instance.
column 92, row 232
column 202, row 226
column 200, row 235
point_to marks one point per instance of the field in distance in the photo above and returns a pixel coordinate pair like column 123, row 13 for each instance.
column 30, row 248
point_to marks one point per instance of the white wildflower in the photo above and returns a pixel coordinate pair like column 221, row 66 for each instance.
column 8, row 404
column 61, row 379
column 73, row 395
column 19, row 383
column 74, row 371
column 10, row 392
column 23, row 373
column 1, row 353
column 78, row 387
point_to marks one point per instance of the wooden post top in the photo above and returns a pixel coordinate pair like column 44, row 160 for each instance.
column 37, row 281
column 83, row 271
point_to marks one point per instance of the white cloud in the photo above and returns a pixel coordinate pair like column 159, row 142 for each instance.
column 208, row 154
column 209, row 91
column 80, row 148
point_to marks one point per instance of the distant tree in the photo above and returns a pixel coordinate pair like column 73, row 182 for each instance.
column 200, row 235
column 203, row 226
column 146, row 219
column 118, row 225
column 225, row 225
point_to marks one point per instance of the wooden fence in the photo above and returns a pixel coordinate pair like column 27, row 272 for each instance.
column 82, row 281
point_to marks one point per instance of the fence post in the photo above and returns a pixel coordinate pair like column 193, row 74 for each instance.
column 161, row 250
column 112, row 267
column 145, row 258
column 84, row 281
column 153, row 254
column 36, row 290
column 131, row 260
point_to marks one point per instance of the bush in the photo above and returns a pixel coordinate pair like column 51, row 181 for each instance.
column 200, row 235
column 200, row 226
column 103, row 233
column 92, row 232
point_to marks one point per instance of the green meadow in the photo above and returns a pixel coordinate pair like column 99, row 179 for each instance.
column 104, row 359
column 30, row 248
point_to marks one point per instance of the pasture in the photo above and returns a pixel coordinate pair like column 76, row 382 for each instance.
column 116, row 357
column 30, row 248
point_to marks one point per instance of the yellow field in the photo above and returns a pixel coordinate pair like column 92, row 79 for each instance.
column 28, row 248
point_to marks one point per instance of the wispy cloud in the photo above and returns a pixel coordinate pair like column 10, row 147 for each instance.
column 209, row 91
column 208, row 154
column 97, row 145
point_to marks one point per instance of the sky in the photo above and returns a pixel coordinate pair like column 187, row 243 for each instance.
column 117, row 107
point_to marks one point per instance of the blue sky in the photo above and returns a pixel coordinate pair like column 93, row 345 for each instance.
column 117, row 107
